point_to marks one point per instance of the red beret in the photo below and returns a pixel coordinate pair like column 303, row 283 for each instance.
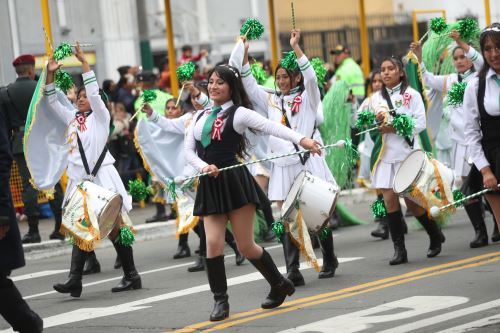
column 24, row 59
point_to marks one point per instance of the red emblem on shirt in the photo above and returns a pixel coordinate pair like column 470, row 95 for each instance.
column 80, row 119
column 217, row 128
column 406, row 99
column 296, row 103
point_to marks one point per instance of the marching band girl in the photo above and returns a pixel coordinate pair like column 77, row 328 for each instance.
column 215, row 138
column 397, row 96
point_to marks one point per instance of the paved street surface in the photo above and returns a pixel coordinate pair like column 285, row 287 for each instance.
column 458, row 291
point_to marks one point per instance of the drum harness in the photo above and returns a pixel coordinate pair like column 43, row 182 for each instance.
column 393, row 113
column 91, row 175
column 303, row 159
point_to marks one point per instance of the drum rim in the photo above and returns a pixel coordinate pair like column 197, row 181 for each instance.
column 299, row 192
column 422, row 167
column 116, row 219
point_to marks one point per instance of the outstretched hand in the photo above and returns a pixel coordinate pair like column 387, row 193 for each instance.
column 294, row 37
column 147, row 109
column 416, row 48
column 79, row 53
column 312, row 145
column 53, row 65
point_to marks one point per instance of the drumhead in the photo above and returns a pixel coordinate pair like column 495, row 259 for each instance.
column 409, row 171
column 109, row 214
column 292, row 195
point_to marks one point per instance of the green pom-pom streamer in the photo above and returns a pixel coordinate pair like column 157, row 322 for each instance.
column 137, row 189
column 278, row 229
column 378, row 209
column 320, row 70
column 438, row 25
column 186, row 71
column 171, row 188
column 324, row 233
column 149, row 95
column 455, row 95
column 71, row 240
column 365, row 119
column 290, row 61
column 468, row 29
column 252, row 28
column 258, row 72
column 126, row 237
column 63, row 51
column 63, row 80
column 351, row 153
column 403, row 124
column 458, row 195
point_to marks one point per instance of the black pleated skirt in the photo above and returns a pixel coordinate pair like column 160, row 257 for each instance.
column 493, row 157
column 231, row 190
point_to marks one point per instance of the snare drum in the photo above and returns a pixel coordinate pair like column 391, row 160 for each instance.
column 90, row 214
column 424, row 180
column 315, row 197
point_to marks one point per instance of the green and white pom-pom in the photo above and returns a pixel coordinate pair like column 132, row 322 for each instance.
column 378, row 208
column 63, row 80
column 290, row 61
column 438, row 25
column 468, row 29
column 365, row 119
column 148, row 96
column 324, row 233
column 258, row 72
column 252, row 28
column 63, row 51
column 278, row 229
column 456, row 93
column 126, row 237
column 137, row 189
column 458, row 195
column 320, row 70
column 171, row 188
column 351, row 153
column 403, row 124
column 185, row 72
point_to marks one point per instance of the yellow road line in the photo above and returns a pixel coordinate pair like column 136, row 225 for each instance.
column 255, row 314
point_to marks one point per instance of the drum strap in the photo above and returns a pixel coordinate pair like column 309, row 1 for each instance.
column 391, row 107
column 84, row 158
column 303, row 159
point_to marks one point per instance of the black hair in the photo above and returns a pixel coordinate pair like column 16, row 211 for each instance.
column 239, row 96
column 186, row 48
column 292, row 74
column 179, row 105
column 404, row 79
column 491, row 32
column 104, row 96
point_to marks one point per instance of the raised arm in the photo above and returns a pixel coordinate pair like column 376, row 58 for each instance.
column 50, row 93
column 436, row 82
column 190, row 147
column 168, row 125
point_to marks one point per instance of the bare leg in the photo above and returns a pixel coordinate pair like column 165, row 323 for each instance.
column 242, row 223
column 494, row 201
column 215, row 230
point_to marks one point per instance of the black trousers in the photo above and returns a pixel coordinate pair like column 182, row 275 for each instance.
column 30, row 195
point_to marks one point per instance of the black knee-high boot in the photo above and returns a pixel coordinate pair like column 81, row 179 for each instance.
column 199, row 264
column 232, row 243
column 183, row 250
column 73, row 285
column 435, row 235
column 280, row 286
column 216, row 273
column 475, row 212
column 396, row 230
column 330, row 261
column 92, row 265
column 292, row 256
column 131, row 278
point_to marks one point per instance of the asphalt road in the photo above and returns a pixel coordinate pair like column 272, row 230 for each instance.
column 458, row 291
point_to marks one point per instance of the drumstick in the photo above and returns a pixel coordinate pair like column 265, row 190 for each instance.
column 436, row 210
column 422, row 38
column 83, row 45
column 340, row 143
column 179, row 97
column 368, row 130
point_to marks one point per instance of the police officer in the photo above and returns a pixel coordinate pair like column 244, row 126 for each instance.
column 14, row 102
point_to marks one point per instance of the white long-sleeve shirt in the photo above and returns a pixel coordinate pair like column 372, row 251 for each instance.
column 243, row 118
column 410, row 103
column 443, row 83
column 269, row 105
column 94, row 138
column 473, row 132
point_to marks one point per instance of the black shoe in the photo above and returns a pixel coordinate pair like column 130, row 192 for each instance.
column 396, row 229
column 129, row 281
column 198, row 265
column 33, row 237
column 474, row 210
column 118, row 263
column 216, row 273
column 131, row 278
column 495, row 236
column 157, row 218
column 400, row 256
column 328, row 269
column 382, row 230
column 183, row 251
column 56, row 235
column 278, row 293
column 269, row 235
column 92, row 265
column 238, row 256
column 296, row 277
column 73, row 285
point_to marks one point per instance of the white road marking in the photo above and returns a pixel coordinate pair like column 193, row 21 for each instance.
column 472, row 326
column 142, row 273
column 444, row 317
column 38, row 274
column 93, row 313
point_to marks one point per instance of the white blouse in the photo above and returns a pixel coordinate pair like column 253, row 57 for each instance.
column 395, row 146
column 243, row 118
column 472, row 117
column 95, row 137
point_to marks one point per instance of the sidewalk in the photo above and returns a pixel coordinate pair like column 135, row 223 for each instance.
column 355, row 200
